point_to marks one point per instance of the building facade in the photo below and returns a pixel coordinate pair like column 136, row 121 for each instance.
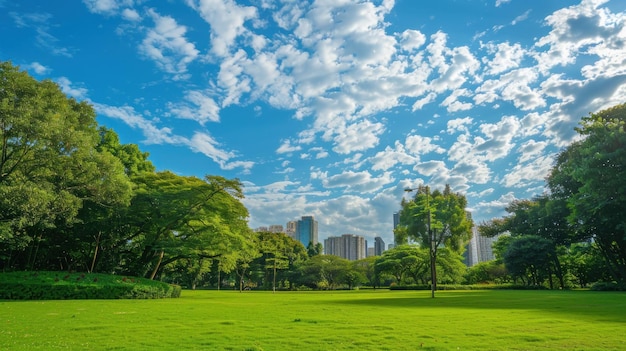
column 306, row 230
column 479, row 249
column 291, row 228
column 379, row 246
column 349, row 246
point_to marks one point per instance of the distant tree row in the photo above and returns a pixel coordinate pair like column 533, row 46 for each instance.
column 576, row 233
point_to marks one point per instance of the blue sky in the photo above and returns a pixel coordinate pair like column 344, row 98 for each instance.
column 331, row 108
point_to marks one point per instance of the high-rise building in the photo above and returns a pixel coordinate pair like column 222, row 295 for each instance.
column 292, row 226
column 379, row 246
column 348, row 246
column 306, row 230
column 479, row 248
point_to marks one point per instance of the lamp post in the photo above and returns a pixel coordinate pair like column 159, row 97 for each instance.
column 432, row 242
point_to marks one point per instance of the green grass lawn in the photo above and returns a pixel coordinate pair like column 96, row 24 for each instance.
column 345, row 320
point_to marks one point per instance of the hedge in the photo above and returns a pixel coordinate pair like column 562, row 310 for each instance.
column 65, row 286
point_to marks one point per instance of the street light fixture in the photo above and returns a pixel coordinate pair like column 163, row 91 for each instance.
column 432, row 242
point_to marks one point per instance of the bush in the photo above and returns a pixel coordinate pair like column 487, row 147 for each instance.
column 608, row 286
column 63, row 285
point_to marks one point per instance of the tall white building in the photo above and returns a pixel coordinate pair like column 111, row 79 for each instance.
column 348, row 246
column 479, row 248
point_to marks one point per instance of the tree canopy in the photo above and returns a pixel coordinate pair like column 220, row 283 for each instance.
column 73, row 197
column 589, row 176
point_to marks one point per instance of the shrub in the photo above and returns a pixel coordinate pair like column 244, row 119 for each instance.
column 62, row 285
column 608, row 286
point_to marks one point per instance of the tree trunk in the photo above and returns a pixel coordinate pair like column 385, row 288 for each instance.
column 158, row 264
column 95, row 253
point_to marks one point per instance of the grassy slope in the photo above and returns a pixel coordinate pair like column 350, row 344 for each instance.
column 349, row 320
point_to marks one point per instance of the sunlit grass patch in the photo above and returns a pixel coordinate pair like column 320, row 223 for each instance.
column 345, row 320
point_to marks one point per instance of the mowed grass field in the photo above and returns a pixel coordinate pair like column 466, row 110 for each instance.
column 343, row 320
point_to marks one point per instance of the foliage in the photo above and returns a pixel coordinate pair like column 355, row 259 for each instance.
column 488, row 272
column 543, row 217
column 323, row 271
column 173, row 217
column 436, row 221
column 445, row 211
column 279, row 253
column 314, row 250
column 585, row 264
column 450, row 267
column 589, row 176
column 72, row 196
column 405, row 261
column 49, row 164
column 530, row 258
column 608, row 286
column 367, row 268
column 63, row 285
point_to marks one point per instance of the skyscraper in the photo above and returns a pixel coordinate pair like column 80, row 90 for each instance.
column 379, row 246
column 306, row 230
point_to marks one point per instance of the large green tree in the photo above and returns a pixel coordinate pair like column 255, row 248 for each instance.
column 436, row 219
column 49, row 165
column 543, row 216
column 173, row 217
column 405, row 261
column 530, row 258
column 589, row 176
column 279, row 253
column 323, row 271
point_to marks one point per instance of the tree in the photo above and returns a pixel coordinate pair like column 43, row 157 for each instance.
column 589, row 176
column 530, row 258
column 367, row 267
column 486, row 272
column 98, row 225
column 314, row 250
column 323, row 271
column 279, row 253
column 243, row 261
column 173, row 217
column 585, row 264
column 405, row 261
column 437, row 219
column 49, row 166
column 542, row 216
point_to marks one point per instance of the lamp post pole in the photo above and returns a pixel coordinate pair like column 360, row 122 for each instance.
column 432, row 242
